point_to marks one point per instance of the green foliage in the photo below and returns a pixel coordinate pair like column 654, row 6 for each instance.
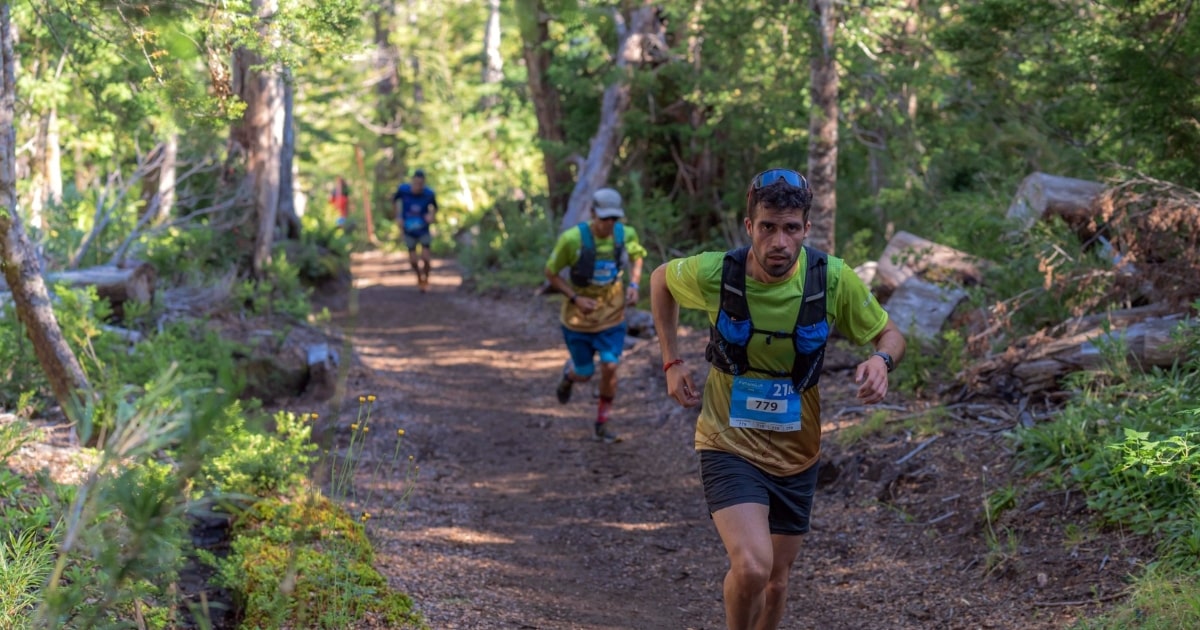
column 510, row 247
column 25, row 562
column 1129, row 440
column 929, row 363
column 282, row 292
column 260, row 464
column 308, row 564
column 1161, row 600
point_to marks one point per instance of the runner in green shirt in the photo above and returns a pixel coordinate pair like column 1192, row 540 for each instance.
column 759, row 432
column 599, row 253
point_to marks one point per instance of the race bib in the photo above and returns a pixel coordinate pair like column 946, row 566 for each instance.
column 605, row 272
column 412, row 224
column 767, row 404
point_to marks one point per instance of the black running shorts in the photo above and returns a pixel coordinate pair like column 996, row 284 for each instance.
column 730, row 480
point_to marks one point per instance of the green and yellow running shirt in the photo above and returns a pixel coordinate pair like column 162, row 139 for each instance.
column 696, row 283
column 609, row 296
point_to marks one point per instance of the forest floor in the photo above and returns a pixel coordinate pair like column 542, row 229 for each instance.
column 517, row 519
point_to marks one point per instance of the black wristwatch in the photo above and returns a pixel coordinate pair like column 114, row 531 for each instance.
column 887, row 359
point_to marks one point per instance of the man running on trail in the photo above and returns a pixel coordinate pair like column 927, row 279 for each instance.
column 759, row 431
column 598, row 253
column 416, row 206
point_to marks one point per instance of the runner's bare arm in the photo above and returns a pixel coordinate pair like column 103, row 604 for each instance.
column 586, row 305
column 666, row 323
column 872, row 374
column 635, row 276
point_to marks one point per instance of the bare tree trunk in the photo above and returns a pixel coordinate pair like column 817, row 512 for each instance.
column 287, row 218
column 823, row 127
column 631, row 47
column 158, row 189
column 366, row 199
column 387, row 109
column 19, row 263
column 260, row 133
column 413, row 60
column 547, row 103
column 493, row 63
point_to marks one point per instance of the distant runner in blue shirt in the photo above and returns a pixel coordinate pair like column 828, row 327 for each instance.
column 416, row 206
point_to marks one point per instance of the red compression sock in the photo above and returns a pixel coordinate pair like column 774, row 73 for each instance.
column 603, row 409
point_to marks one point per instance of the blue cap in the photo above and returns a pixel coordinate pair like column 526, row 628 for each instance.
column 419, row 173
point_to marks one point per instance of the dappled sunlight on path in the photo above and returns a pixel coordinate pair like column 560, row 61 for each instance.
column 518, row 520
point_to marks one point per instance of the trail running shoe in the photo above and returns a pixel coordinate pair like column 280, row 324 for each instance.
column 606, row 435
column 564, row 386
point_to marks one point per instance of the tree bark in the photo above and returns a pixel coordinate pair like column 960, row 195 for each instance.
column 823, row 127
column 547, row 102
column 921, row 308
column 287, row 218
column 632, row 42
column 260, row 133
column 1043, row 196
column 908, row 255
column 115, row 283
column 18, row 261
column 158, row 188
column 387, row 109
column 493, row 63
column 1036, row 363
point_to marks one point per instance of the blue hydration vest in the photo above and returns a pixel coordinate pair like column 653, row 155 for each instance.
column 584, row 269
column 729, row 338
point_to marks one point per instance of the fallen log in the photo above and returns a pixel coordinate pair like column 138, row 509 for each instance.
column 920, row 309
column 908, row 255
column 116, row 284
column 1042, row 196
column 1037, row 362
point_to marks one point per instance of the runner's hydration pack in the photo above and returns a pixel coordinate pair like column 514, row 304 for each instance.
column 585, row 268
column 729, row 338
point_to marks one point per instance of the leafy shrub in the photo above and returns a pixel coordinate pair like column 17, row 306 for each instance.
column 260, row 464
column 509, row 247
column 1129, row 440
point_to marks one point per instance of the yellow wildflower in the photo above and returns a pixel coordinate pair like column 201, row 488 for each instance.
column 370, row 397
column 365, row 429
column 366, row 516
column 314, row 416
column 400, row 432
column 354, row 426
column 362, row 399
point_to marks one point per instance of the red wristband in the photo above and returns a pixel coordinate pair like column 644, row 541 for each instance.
column 668, row 365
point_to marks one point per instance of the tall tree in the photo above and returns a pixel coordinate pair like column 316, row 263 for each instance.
column 493, row 63
column 637, row 43
column 533, row 20
column 823, row 126
column 386, row 66
column 18, row 259
column 260, row 132
column 286, row 217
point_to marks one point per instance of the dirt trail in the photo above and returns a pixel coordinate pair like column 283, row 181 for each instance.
column 518, row 520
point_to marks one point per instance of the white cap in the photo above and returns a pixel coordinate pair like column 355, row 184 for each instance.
column 606, row 204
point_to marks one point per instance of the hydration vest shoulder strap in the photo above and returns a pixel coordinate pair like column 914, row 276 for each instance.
column 585, row 267
column 733, row 284
column 816, row 283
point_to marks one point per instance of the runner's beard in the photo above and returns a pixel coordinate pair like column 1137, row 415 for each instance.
column 777, row 269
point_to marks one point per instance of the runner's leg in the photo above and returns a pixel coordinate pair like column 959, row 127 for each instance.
column 786, row 548
column 745, row 531
column 426, row 255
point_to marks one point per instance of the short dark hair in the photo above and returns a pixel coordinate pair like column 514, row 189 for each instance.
column 778, row 196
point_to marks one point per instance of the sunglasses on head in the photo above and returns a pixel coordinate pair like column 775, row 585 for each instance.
column 790, row 177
